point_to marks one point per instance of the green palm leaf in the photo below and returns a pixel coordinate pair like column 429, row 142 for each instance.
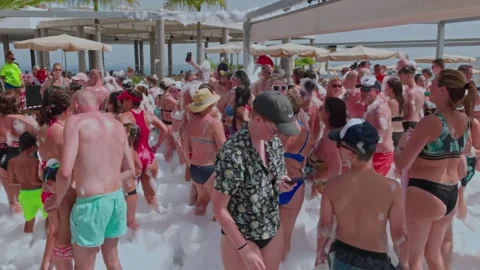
column 193, row 5
column 17, row 4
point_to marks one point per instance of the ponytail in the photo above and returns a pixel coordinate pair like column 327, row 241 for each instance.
column 470, row 98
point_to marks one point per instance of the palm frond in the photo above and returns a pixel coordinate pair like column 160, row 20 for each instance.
column 16, row 4
column 188, row 5
column 193, row 5
column 214, row 3
column 104, row 3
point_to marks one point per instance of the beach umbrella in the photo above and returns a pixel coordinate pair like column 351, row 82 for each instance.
column 338, row 68
column 448, row 58
column 62, row 42
column 364, row 53
column 288, row 50
column 235, row 47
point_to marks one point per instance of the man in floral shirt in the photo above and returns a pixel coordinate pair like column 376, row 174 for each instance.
column 250, row 173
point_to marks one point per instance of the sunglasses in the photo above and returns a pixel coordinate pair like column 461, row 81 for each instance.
column 336, row 85
column 366, row 89
column 280, row 88
column 57, row 70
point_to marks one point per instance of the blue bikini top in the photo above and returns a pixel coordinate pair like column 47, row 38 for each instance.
column 229, row 110
column 298, row 157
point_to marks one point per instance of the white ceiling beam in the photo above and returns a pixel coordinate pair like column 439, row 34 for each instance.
column 278, row 5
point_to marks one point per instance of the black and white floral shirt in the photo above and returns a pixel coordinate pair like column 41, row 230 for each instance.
column 252, row 187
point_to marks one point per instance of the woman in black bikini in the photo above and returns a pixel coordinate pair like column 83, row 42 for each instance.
column 433, row 155
column 394, row 91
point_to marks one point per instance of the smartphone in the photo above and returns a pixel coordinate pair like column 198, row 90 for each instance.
column 189, row 57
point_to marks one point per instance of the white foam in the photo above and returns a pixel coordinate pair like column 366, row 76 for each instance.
column 177, row 239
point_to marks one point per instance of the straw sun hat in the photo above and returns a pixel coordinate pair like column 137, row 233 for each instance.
column 202, row 99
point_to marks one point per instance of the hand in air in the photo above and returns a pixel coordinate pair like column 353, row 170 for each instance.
column 286, row 184
column 253, row 260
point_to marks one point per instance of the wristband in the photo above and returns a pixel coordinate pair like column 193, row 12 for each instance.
column 244, row 245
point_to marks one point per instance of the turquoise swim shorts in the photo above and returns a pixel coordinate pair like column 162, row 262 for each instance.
column 98, row 217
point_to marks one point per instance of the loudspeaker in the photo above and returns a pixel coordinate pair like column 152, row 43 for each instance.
column 33, row 96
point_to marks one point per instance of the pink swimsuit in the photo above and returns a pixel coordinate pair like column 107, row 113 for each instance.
column 144, row 151
column 63, row 252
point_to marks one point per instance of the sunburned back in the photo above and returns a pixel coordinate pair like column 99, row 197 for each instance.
column 100, row 152
column 201, row 135
column 48, row 142
column 362, row 202
column 415, row 100
column 25, row 169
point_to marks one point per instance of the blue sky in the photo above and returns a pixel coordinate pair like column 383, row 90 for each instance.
column 122, row 55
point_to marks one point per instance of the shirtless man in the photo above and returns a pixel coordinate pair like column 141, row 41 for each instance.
column 261, row 85
column 22, row 171
column 379, row 115
column 414, row 94
column 362, row 202
column 353, row 98
column 97, row 151
column 95, row 86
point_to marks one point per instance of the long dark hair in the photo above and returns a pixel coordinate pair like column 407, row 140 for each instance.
column 56, row 102
column 338, row 112
column 242, row 95
column 112, row 99
column 243, row 77
column 397, row 89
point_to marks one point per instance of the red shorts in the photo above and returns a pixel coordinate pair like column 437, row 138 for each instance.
column 382, row 162
column 45, row 196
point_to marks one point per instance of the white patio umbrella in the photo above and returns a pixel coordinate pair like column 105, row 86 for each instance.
column 235, row 47
column 288, row 50
column 338, row 68
column 230, row 48
column 364, row 53
column 448, row 58
column 62, row 42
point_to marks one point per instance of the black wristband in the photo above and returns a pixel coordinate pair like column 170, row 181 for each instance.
column 244, row 245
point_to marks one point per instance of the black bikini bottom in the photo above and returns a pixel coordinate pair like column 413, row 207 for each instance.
column 448, row 194
column 168, row 123
column 396, row 136
column 409, row 124
column 260, row 243
column 201, row 174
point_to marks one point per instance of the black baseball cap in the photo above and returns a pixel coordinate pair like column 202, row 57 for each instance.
column 278, row 109
column 357, row 134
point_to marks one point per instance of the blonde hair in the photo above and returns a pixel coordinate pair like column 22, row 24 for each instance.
column 330, row 83
column 295, row 99
column 457, row 87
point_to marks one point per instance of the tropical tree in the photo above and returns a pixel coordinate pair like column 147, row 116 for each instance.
column 16, row 4
column 195, row 5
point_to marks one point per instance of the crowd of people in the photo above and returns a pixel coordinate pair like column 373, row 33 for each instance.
column 250, row 149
